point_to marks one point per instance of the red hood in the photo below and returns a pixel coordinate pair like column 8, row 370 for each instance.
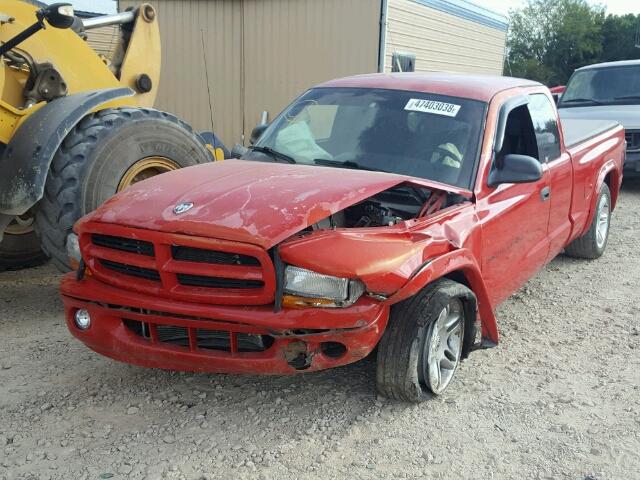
column 253, row 202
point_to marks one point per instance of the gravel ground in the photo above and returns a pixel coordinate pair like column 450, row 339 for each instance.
column 558, row 399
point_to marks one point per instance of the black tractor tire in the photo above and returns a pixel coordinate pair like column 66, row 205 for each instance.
column 96, row 155
column 20, row 251
column 589, row 246
column 406, row 342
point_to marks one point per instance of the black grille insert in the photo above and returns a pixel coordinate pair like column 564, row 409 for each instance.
column 633, row 140
column 200, row 255
column 124, row 244
column 217, row 282
column 132, row 270
column 206, row 339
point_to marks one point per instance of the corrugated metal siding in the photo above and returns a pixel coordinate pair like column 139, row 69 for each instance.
column 287, row 46
column 291, row 45
column 442, row 42
column 183, row 79
column 104, row 39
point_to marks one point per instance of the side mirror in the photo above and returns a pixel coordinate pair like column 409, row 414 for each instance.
column 58, row 15
column 515, row 169
column 257, row 132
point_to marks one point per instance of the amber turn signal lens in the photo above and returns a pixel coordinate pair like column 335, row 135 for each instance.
column 293, row 301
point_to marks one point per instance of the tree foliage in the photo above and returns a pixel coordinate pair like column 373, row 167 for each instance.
column 549, row 39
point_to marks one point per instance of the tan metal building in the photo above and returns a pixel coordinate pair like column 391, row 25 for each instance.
column 224, row 62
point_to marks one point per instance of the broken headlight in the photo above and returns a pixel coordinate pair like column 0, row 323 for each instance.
column 304, row 287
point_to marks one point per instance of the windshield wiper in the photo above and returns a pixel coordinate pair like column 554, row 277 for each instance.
column 276, row 155
column 582, row 100
column 346, row 164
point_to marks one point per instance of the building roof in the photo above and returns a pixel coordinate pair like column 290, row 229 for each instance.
column 469, row 11
column 621, row 63
column 478, row 87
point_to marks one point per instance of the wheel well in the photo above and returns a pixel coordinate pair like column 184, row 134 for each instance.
column 470, row 333
column 608, row 179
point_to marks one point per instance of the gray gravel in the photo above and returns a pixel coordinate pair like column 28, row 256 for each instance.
column 558, row 399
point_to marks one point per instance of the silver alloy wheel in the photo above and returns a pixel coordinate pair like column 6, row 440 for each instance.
column 443, row 347
column 602, row 225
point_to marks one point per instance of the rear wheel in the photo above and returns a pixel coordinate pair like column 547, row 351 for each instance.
column 20, row 246
column 593, row 243
column 105, row 153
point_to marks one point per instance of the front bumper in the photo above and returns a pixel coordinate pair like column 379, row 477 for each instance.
column 300, row 340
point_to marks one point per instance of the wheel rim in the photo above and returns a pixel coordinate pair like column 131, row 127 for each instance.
column 602, row 226
column 443, row 346
column 146, row 168
column 20, row 225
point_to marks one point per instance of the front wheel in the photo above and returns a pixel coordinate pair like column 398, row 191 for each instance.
column 593, row 243
column 105, row 153
column 421, row 348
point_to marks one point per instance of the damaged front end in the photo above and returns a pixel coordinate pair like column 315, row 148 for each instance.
column 256, row 278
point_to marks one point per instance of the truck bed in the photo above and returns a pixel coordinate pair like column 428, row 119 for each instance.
column 580, row 130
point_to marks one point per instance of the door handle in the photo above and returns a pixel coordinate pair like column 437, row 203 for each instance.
column 545, row 193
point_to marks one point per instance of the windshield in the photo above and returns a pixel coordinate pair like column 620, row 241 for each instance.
column 424, row 135
column 603, row 86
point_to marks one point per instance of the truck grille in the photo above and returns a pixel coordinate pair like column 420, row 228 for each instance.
column 633, row 140
column 179, row 266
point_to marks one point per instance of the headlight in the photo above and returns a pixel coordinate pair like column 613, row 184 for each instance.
column 73, row 250
column 308, row 288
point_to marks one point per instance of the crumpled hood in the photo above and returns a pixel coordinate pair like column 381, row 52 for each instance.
column 627, row 115
column 254, row 202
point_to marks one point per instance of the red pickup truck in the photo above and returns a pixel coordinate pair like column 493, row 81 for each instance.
column 394, row 211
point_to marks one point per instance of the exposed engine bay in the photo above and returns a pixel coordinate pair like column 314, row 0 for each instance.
column 389, row 207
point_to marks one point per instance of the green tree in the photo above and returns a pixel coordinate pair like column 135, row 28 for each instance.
column 619, row 38
column 548, row 39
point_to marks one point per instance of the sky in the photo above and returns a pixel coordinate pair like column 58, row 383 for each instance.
column 618, row 7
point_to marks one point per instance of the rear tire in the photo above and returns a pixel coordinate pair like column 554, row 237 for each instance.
column 593, row 243
column 414, row 343
column 103, row 150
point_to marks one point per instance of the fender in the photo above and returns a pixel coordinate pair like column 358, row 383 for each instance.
column 457, row 260
column 609, row 166
column 28, row 155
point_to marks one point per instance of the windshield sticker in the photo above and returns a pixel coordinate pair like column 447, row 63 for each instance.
column 431, row 106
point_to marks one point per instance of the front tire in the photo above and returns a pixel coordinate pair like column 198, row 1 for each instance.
column 105, row 153
column 593, row 243
column 421, row 348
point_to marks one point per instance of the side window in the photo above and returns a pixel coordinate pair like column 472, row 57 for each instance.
column 545, row 126
column 519, row 137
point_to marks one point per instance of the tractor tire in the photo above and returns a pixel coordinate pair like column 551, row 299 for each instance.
column 20, row 251
column 593, row 243
column 106, row 152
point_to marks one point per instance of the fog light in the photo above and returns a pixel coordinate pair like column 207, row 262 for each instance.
column 82, row 319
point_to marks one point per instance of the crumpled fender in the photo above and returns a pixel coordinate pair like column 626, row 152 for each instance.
column 457, row 260
column 26, row 159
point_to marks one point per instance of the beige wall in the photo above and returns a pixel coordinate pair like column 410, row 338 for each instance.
column 183, row 80
column 287, row 47
column 104, row 39
column 291, row 45
column 441, row 41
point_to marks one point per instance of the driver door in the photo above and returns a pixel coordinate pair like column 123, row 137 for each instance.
column 514, row 217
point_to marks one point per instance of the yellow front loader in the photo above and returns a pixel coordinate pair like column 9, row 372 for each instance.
column 75, row 127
